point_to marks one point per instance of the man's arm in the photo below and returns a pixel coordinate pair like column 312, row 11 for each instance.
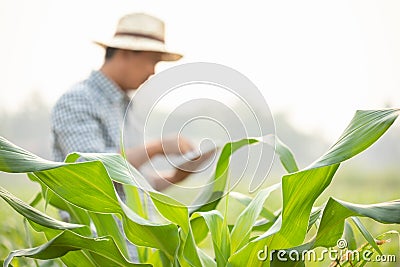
column 175, row 145
column 76, row 128
column 191, row 164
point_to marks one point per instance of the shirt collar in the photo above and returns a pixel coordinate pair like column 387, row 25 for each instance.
column 108, row 88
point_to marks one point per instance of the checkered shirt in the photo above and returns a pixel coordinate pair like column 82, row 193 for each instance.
column 88, row 117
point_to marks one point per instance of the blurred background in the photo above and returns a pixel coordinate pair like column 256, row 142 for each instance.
column 315, row 62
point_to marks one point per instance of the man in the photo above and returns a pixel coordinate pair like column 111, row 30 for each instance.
column 88, row 118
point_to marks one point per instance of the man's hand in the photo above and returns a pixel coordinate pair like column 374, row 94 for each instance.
column 171, row 145
column 181, row 172
column 175, row 144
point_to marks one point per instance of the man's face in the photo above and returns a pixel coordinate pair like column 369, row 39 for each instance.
column 139, row 67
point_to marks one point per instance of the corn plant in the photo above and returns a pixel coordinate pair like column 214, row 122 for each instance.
column 86, row 190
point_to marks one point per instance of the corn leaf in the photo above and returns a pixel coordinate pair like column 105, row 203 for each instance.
column 302, row 188
column 246, row 200
column 348, row 235
column 285, row 154
column 365, row 254
column 14, row 159
column 366, row 127
column 241, row 231
column 106, row 224
column 367, row 235
column 117, row 167
column 103, row 247
column 209, row 198
column 121, row 171
column 336, row 211
column 90, row 187
column 219, row 234
column 34, row 214
column 190, row 253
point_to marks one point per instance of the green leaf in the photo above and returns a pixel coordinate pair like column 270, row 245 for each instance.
column 88, row 186
column 365, row 253
column 190, row 252
column 2, row 264
column 158, row 258
column 219, row 234
column 245, row 201
column 262, row 225
column 34, row 214
column 241, row 231
column 78, row 258
column 336, row 211
column 177, row 213
column 367, row 235
column 72, row 258
column 172, row 210
column 209, row 198
column 206, row 260
column 199, row 229
column 134, row 201
column 348, row 235
column 117, row 168
column 146, row 233
column 106, row 225
column 83, row 184
column 366, row 127
column 248, row 255
column 55, row 200
column 121, row 171
column 69, row 241
column 314, row 217
column 285, row 154
column 15, row 159
column 302, row 188
column 36, row 200
column 334, row 216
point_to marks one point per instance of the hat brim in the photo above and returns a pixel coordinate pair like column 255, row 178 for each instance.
column 140, row 44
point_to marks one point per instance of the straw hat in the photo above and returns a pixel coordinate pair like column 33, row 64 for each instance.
column 140, row 32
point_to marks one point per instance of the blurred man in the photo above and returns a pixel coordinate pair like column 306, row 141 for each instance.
column 88, row 117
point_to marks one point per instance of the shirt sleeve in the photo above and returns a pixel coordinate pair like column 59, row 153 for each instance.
column 77, row 127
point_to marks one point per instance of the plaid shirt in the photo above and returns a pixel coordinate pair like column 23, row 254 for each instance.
column 88, row 117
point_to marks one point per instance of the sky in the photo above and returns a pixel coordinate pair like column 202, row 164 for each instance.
column 318, row 61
